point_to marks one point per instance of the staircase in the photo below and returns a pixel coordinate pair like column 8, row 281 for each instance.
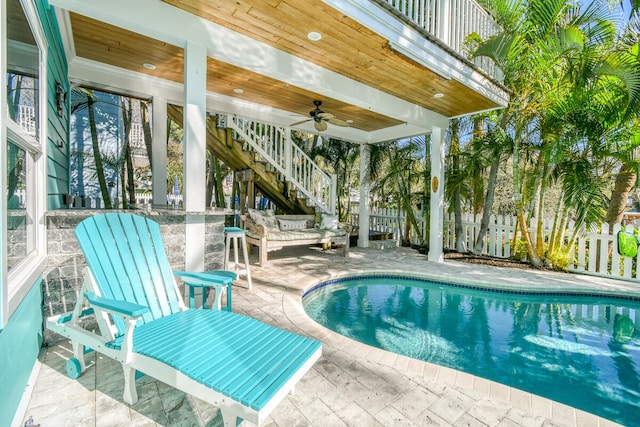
column 283, row 172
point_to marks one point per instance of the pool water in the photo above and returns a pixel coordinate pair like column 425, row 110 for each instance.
column 582, row 351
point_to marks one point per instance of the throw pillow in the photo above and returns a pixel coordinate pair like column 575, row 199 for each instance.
column 290, row 224
column 265, row 218
column 329, row 222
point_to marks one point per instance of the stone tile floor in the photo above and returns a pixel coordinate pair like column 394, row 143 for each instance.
column 351, row 385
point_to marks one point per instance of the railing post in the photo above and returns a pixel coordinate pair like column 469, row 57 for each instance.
column 287, row 154
column 444, row 20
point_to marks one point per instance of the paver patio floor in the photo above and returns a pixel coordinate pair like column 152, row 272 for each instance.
column 351, row 385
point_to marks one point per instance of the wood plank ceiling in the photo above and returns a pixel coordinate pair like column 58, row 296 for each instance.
column 346, row 48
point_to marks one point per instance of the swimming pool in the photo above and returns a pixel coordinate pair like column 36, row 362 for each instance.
column 580, row 350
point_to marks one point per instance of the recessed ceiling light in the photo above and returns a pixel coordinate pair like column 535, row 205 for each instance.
column 349, row 121
column 314, row 36
column 149, row 66
column 238, row 90
column 438, row 95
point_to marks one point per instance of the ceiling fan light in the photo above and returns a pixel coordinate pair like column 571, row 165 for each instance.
column 321, row 125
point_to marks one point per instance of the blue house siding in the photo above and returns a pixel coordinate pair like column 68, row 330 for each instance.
column 58, row 133
column 20, row 343
column 22, row 335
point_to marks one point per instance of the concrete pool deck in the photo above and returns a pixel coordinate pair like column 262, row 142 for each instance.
column 351, row 385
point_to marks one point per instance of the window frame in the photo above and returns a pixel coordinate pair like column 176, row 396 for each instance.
column 15, row 284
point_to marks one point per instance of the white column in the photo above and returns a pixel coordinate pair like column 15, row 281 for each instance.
column 159, row 150
column 195, row 152
column 365, row 187
column 436, row 223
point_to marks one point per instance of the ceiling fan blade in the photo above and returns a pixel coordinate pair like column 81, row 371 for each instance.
column 337, row 122
column 300, row 122
column 325, row 116
column 321, row 126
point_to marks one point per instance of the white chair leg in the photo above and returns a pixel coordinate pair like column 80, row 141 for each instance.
column 130, row 393
column 226, row 252
column 235, row 252
column 228, row 418
column 246, row 261
column 78, row 353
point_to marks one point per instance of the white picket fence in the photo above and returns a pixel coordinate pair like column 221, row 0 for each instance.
column 595, row 251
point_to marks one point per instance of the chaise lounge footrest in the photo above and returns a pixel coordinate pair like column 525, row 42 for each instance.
column 249, row 367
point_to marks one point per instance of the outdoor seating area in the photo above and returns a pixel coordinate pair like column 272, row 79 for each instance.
column 351, row 384
column 398, row 142
column 269, row 232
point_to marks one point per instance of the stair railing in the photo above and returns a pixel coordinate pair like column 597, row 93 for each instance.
column 274, row 145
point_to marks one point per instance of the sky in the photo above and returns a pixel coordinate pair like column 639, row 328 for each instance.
column 624, row 10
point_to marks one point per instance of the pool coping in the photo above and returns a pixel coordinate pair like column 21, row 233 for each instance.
column 536, row 405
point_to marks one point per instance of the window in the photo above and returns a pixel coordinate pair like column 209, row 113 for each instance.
column 23, row 166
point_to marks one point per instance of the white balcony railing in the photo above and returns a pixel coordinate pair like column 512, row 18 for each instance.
column 451, row 22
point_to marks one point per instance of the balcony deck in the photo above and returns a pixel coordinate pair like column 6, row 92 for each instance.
column 353, row 384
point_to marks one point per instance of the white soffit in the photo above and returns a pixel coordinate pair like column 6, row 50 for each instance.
column 412, row 44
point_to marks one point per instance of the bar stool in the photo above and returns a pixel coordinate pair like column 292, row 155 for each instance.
column 232, row 234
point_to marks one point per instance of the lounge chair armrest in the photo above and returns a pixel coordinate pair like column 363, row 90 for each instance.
column 116, row 307
column 205, row 279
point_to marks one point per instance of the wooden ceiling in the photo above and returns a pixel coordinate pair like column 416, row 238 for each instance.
column 346, row 48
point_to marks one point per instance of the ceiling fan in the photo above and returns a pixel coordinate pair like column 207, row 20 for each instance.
column 321, row 118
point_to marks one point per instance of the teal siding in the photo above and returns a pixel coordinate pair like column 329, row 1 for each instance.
column 20, row 342
column 58, row 130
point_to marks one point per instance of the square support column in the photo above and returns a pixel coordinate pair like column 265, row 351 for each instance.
column 436, row 222
column 195, row 152
column 365, row 189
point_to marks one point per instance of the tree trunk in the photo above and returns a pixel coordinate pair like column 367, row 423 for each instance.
column 128, row 152
column 131, row 183
column 478, row 178
column 538, row 212
column 211, row 178
column 625, row 180
column 104, row 190
column 488, row 204
column 534, row 259
column 454, row 151
column 146, row 131
column 219, row 179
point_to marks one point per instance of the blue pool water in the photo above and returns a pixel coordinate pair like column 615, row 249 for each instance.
column 583, row 351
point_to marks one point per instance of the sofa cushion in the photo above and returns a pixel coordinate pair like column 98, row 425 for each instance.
column 329, row 222
column 287, row 225
column 306, row 234
column 265, row 218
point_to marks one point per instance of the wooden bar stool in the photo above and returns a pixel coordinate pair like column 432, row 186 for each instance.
column 232, row 234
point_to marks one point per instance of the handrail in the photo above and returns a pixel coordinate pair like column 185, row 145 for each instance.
column 451, row 22
column 274, row 145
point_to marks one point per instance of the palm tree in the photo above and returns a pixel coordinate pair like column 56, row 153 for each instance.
column 401, row 179
column 340, row 156
column 553, row 60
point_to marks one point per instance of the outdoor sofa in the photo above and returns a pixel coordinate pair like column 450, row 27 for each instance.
column 271, row 232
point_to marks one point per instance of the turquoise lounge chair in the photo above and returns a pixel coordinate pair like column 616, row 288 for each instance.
column 243, row 366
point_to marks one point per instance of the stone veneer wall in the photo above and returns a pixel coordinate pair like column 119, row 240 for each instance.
column 63, row 274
